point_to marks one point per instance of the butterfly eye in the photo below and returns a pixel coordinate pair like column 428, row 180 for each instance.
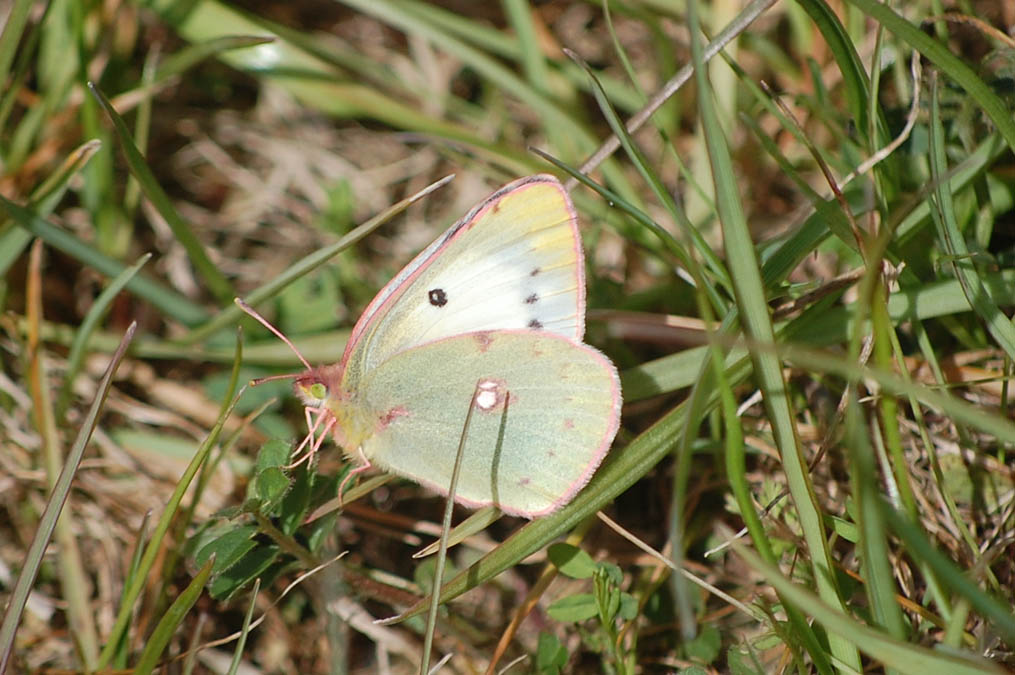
column 318, row 391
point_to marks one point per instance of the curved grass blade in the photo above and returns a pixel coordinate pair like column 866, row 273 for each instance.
column 216, row 281
column 442, row 550
column 854, row 79
column 875, row 554
column 194, row 54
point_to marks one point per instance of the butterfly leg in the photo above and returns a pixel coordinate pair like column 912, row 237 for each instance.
column 358, row 470
column 311, row 441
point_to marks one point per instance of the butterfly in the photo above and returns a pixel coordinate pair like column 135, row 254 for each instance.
column 490, row 316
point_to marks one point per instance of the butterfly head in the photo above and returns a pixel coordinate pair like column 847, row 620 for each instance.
column 317, row 386
column 311, row 391
column 314, row 387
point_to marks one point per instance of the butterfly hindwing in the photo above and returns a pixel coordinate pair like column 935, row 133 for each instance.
column 513, row 263
column 546, row 412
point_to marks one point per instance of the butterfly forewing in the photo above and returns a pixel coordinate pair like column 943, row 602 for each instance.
column 513, row 263
column 544, row 415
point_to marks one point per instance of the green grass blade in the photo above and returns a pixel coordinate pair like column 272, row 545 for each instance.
column 697, row 241
column 170, row 302
column 123, row 649
column 241, row 642
column 876, row 557
column 998, row 610
column 171, row 620
column 905, row 658
column 745, row 271
column 14, row 239
column 216, row 281
column 133, row 592
column 190, row 56
column 854, row 78
column 519, row 14
column 232, row 313
column 69, row 564
column 27, row 57
column 952, row 66
column 953, row 242
column 14, row 27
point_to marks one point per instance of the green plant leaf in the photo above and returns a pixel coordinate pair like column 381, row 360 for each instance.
column 551, row 655
column 574, row 608
column 571, row 561
column 255, row 563
column 228, row 548
column 706, row 646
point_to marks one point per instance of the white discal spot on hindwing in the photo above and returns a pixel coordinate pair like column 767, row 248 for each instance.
column 491, row 394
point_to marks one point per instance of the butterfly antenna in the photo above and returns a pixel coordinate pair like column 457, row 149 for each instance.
column 264, row 322
column 271, row 378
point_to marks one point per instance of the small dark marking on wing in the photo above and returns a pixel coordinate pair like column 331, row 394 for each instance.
column 535, row 324
column 535, row 271
column 437, row 297
column 532, row 299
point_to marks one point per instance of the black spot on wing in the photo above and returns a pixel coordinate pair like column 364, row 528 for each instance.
column 532, row 299
column 535, row 324
column 535, row 272
column 437, row 297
